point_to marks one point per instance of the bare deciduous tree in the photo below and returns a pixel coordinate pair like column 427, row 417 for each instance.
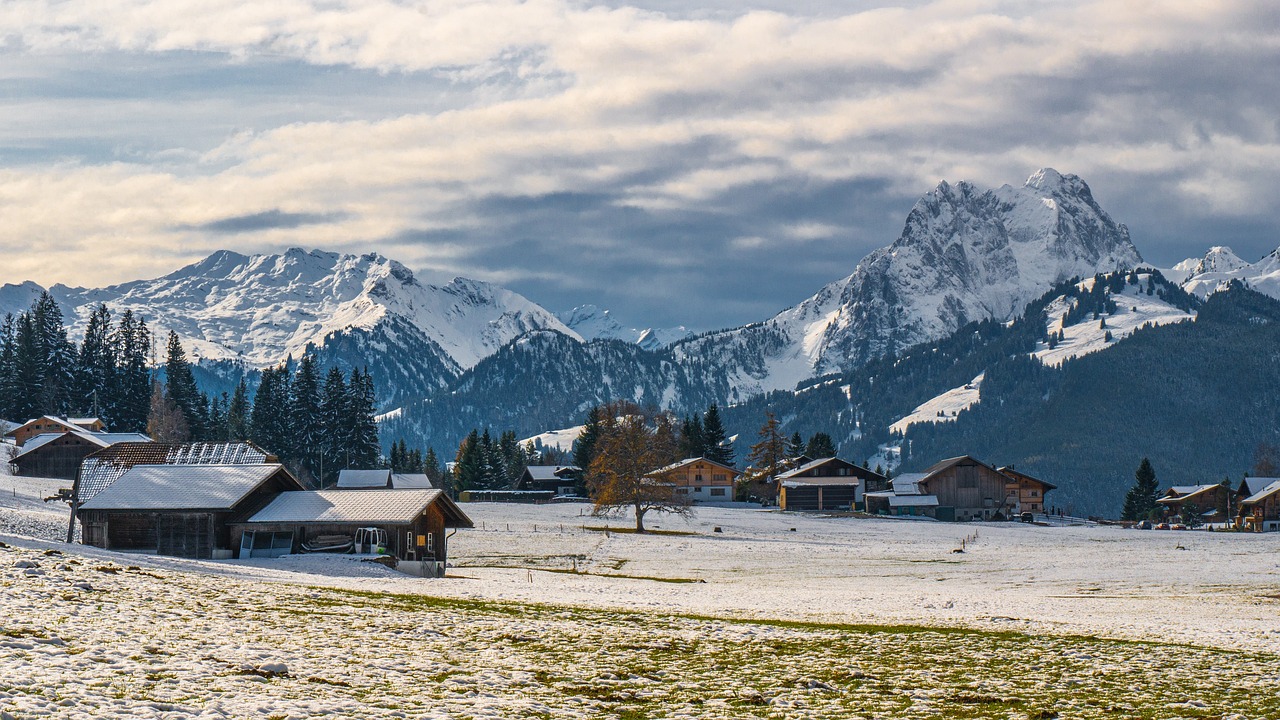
column 629, row 447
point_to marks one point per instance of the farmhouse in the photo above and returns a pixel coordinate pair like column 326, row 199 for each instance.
column 1023, row 492
column 699, row 479
column 1205, row 501
column 59, row 454
column 557, row 479
column 1260, row 509
column 50, row 424
column 406, row 524
column 827, row 484
column 365, row 479
column 959, row 488
column 180, row 510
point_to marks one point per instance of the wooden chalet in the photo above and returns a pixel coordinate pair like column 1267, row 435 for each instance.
column 1024, row 493
column 59, row 454
column 560, row 480
column 959, row 488
column 1208, row 502
column 382, row 478
column 414, row 523
column 180, row 510
column 46, row 424
column 827, row 484
column 699, row 479
column 1259, row 509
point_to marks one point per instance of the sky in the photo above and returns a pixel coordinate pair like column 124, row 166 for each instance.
column 701, row 163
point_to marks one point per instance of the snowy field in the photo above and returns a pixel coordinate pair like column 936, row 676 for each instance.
column 543, row 617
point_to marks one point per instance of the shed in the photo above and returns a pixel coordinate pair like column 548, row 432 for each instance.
column 59, row 454
column 414, row 521
column 180, row 510
column 558, row 479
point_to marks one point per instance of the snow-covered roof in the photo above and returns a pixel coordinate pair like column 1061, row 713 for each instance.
column 398, row 507
column 95, row 438
column 104, row 467
column 908, row 483
column 1262, row 494
column 913, row 501
column 689, row 461
column 548, row 472
column 821, row 480
column 411, row 481
column 1253, row 485
column 184, row 487
column 364, row 478
column 1181, row 493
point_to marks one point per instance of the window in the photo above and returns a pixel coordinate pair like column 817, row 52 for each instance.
column 720, row 477
column 718, row 492
column 698, row 478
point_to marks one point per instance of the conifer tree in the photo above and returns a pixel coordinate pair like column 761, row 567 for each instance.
column 432, row 469
column 1141, row 498
column 131, row 388
column 95, row 369
column 8, row 366
column 335, row 429
column 268, row 422
column 692, row 441
column 362, row 409
column 238, row 413
column 767, row 458
column 795, row 448
column 305, row 426
column 165, row 422
column 56, row 355
column 584, row 448
column 820, row 446
column 468, row 468
column 180, row 387
column 29, row 370
column 717, row 446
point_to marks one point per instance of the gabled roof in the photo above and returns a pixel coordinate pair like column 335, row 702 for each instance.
column 411, row 481
column 397, row 507
column 186, row 487
column 689, row 461
column 908, row 483
column 93, row 438
column 364, row 478
column 1253, row 485
column 1009, row 472
column 858, row 472
column 1182, row 493
column 102, row 468
column 549, row 472
column 949, row 462
column 1262, row 494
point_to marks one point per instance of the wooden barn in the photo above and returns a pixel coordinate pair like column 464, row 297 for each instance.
column 59, row 455
column 959, row 488
column 49, row 424
column 413, row 521
column 827, row 484
column 180, row 510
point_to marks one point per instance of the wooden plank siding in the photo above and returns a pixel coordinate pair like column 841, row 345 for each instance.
column 974, row 490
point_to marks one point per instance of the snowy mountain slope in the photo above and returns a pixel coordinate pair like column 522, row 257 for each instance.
column 942, row 408
column 595, row 323
column 964, row 254
column 261, row 308
column 1204, row 276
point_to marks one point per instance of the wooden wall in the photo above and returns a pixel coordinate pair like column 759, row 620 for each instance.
column 973, row 489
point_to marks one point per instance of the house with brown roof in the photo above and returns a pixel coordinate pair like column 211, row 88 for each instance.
column 700, row 479
column 50, row 424
column 827, row 484
column 1258, row 503
column 959, row 488
column 1024, row 493
column 1207, row 503
column 59, row 454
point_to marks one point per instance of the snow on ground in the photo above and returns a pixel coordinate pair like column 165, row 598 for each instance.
column 560, row 439
column 515, row 632
column 943, row 408
column 1134, row 308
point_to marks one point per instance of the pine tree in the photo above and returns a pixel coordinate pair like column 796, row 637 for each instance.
column 795, row 448
column 584, row 448
column 268, row 422
column 468, row 467
column 305, row 427
column 56, row 355
column 238, row 413
column 767, row 458
column 820, row 446
column 692, row 441
column 362, row 409
column 29, row 370
column 130, row 397
column 96, row 366
column 718, row 447
column 8, row 367
column 1141, row 498
column 180, row 387
column 432, row 469
column 334, row 427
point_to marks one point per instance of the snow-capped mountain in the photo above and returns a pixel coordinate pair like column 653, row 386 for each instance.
column 1206, row 275
column 352, row 309
column 595, row 323
column 964, row 254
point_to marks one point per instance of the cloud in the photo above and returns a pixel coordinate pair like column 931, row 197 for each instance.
column 629, row 148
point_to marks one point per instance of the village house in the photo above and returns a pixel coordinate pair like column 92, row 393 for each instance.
column 409, row 525
column 1258, row 503
column 960, row 488
column 699, row 478
column 827, row 484
column 180, row 510
column 50, row 424
column 1207, row 502
column 556, row 479
column 385, row 478
column 1024, row 493
column 59, row 454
